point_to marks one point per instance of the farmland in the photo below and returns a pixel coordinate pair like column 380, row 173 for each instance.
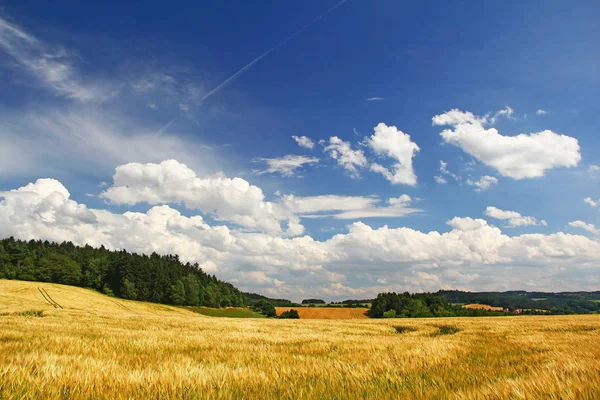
column 90, row 347
column 482, row 307
column 326, row 312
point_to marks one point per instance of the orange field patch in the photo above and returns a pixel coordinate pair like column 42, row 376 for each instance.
column 326, row 312
column 483, row 307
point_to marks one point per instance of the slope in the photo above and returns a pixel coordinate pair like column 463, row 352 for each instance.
column 20, row 296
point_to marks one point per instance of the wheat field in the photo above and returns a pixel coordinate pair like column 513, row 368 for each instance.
column 90, row 348
column 326, row 312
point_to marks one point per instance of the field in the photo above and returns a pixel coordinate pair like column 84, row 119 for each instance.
column 230, row 312
column 326, row 312
column 482, row 307
column 92, row 346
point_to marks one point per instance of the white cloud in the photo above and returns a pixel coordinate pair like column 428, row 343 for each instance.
column 233, row 200
column 541, row 112
column 584, row 225
column 391, row 142
column 506, row 112
column 518, row 157
column 342, row 151
column 515, row 220
column 375, row 98
column 52, row 66
column 484, row 183
column 440, row 180
column 348, row 207
column 93, row 141
column 591, row 202
column 304, row 141
column 471, row 252
column 286, row 165
column 594, row 170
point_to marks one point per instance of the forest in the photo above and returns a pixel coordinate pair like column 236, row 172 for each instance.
column 448, row 303
column 154, row 278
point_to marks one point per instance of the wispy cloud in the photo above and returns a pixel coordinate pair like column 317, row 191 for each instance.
column 52, row 66
column 591, row 228
column 484, row 183
column 286, row 165
column 541, row 112
column 349, row 207
column 375, row 98
column 272, row 49
column 514, row 219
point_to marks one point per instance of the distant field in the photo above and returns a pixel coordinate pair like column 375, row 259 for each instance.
column 231, row 312
column 94, row 349
column 482, row 307
column 326, row 312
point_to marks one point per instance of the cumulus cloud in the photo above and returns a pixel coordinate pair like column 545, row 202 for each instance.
column 53, row 67
column 515, row 220
column 584, row 225
column 484, row 183
column 541, row 112
column 518, row 157
column 471, row 251
column 227, row 199
column 286, row 165
column 591, row 202
column 304, row 141
column 391, row 142
column 342, row 151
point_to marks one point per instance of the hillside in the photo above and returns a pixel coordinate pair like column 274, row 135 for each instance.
column 19, row 296
column 154, row 278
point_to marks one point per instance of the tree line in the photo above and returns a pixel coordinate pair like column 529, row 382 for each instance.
column 154, row 278
column 449, row 304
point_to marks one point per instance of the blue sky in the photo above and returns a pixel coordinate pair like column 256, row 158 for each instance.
column 95, row 90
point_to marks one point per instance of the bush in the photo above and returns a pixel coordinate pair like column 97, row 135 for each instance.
column 290, row 314
column 390, row 314
column 266, row 308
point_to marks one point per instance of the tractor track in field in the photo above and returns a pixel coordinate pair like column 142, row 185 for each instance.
column 49, row 299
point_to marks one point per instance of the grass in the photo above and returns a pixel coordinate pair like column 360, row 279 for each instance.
column 231, row 312
column 102, row 351
column 29, row 313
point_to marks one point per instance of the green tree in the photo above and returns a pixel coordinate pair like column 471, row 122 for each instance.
column 59, row 268
column 128, row 290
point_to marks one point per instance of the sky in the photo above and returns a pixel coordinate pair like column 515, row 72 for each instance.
column 330, row 149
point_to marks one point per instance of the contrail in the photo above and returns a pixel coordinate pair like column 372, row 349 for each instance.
column 266, row 53
column 161, row 130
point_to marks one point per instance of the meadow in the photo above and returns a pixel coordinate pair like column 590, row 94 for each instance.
column 79, row 344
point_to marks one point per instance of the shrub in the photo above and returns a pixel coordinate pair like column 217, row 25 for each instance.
column 266, row 308
column 290, row 314
column 390, row 314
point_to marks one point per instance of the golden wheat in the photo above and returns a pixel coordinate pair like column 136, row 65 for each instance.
column 91, row 350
